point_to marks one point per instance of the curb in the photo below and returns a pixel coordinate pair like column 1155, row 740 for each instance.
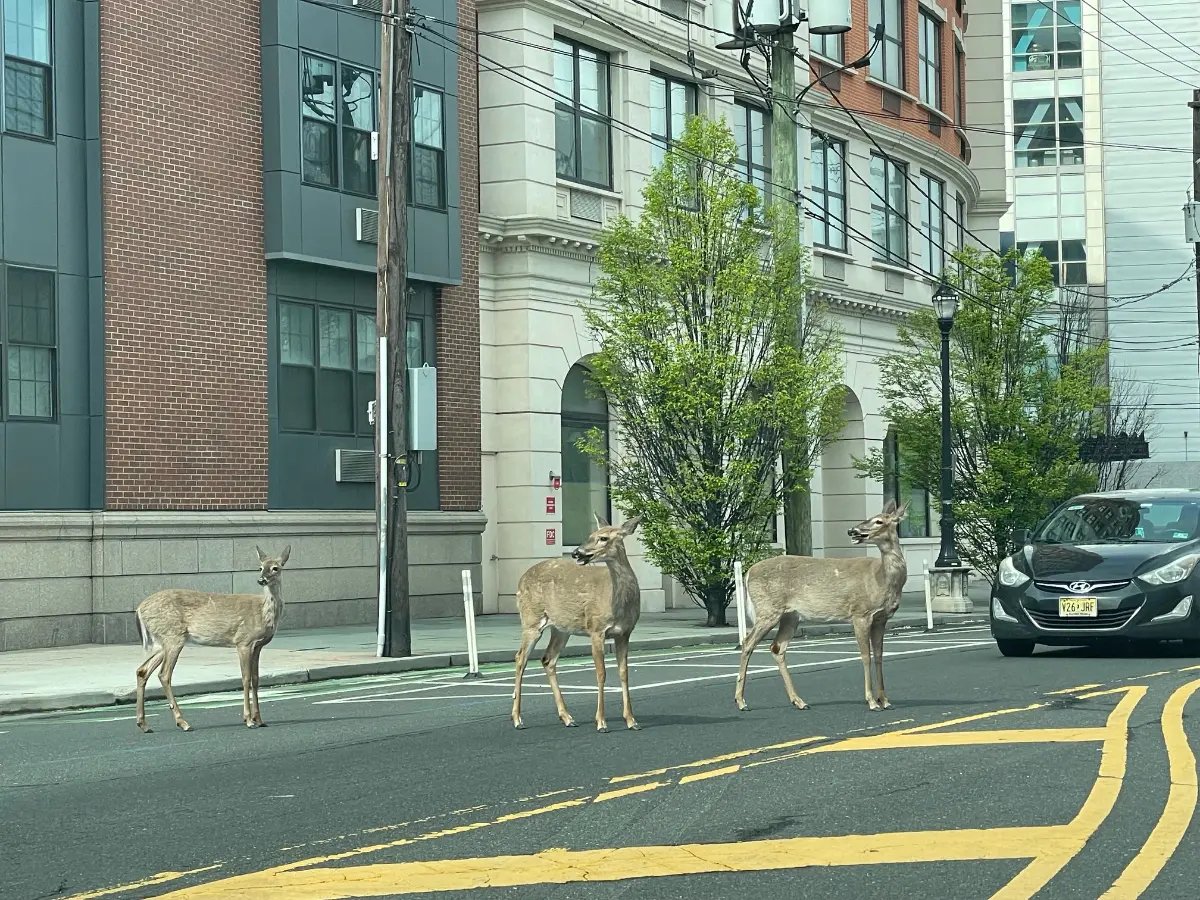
column 429, row 662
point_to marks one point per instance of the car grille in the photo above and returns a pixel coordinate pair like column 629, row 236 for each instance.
column 1099, row 587
column 1105, row 618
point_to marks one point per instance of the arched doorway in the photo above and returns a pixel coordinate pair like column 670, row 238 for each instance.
column 584, row 482
column 843, row 495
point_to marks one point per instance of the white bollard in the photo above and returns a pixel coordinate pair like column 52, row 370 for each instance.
column 739, row 601
column 928, row 595
column 469, row 613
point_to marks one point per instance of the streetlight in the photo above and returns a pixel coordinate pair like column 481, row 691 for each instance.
column 945, row 304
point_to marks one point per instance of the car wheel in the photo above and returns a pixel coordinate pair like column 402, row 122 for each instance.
column 1015, row 647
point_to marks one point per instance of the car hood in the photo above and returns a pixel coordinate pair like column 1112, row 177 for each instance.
column 1097, row 562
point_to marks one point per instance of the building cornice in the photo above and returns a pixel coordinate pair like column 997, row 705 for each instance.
column 537, row 234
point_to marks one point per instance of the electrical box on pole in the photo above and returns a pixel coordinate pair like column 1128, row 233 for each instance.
column 828, row 16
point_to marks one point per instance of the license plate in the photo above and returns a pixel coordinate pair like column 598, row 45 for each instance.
column 1077, row 607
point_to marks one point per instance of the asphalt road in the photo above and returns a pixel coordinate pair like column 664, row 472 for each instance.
column 1070, row 774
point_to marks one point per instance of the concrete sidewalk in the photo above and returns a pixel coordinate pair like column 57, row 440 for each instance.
column 89, row 675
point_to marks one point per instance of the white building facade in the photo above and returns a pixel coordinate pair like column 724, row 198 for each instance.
column 576, row 103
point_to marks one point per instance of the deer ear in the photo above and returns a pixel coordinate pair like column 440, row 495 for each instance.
column 631, row 525
column 600, row 522
column 261, row 556
column 901, row 513
column 890, row 508
column 287, row 552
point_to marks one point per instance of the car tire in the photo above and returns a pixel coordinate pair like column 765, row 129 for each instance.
column 1015, row 647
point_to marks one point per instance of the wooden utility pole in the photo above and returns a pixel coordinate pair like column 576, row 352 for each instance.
column 797, row 502
column 1195, row 105
column 395, row 126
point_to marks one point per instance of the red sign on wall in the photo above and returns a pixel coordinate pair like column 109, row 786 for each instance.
column 550, row 504
column 551, row 537
column 556, row 482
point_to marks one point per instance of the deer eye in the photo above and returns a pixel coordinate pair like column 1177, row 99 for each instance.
column 603, row 539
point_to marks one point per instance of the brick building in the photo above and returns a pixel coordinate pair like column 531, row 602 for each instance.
column 188, row 200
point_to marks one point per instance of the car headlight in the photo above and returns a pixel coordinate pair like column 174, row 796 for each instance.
column 1173, row 572
column 1009, row 576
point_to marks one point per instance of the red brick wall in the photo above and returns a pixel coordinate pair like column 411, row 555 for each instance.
column 458, row 307
column 863, row 97
column 185, row 281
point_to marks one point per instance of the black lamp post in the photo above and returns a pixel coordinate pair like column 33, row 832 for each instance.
column 945, row 304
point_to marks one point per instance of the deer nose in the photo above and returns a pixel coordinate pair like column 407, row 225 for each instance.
column 851, row 531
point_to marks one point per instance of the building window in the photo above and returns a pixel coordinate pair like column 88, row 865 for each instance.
column 960, row 213
column 28, row 95
column 1048, row 132
column 584, row 481
column 887, row 64
column 671, row 103
column 960, row 85
column 428, row 169
column 929, row 60
column 829, row 46
column 898, row 486
column 1046, row 35
column 337, row 110
column 754, row 151
column 30, row 343
column 1067, row 258
column 581, row 123
column 889, row 234
column 829, row 192
column 933, row 225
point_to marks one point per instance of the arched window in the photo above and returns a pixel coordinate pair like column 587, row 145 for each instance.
column 584, row 482
column 897, row 486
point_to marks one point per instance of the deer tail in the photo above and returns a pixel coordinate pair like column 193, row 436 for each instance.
column 749, row 604
column 142, row 632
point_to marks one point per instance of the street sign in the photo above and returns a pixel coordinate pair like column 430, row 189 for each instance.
column 550, row 505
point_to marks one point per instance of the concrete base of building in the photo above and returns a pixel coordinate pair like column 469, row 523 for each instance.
column 76, row 577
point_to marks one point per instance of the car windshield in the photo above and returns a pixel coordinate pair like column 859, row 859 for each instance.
column 1107, row 520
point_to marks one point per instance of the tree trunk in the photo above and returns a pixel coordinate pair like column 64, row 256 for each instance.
column 715, row 605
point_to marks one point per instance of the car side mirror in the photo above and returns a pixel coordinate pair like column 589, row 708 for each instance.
column 1021, row 536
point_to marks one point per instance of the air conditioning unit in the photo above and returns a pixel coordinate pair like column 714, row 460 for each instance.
column 366, row 225
column 372, row 5
column 353, row 466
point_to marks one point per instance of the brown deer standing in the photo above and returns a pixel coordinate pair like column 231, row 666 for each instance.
column 598, row 595
column 783, row 590
column 169, row 619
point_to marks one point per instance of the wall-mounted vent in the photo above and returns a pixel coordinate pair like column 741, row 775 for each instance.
column 366, row 225
column 891, row 102
column 372, row 5
column 893, row 282
column 353, row 465
column 935, row 125
column 675, row 8
column 586, row 206
column 832, row 267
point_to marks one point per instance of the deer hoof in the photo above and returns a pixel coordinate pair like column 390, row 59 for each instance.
column 633, row 726
column 518, row 723
column 743, row 705
column 799, row 704
column 883, row 704
column 602, row 726
column 144, row 728
column 183, row 726
column 570, row 723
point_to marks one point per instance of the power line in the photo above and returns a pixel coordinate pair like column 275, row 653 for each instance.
column 1169, row 34
column 1121, row 27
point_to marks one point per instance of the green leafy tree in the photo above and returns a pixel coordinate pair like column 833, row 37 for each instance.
column 712, row 363
column 1021, row 402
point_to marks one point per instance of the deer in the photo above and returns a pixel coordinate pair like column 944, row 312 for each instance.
column 168, row 619
column 783, row 590
column 595, row 593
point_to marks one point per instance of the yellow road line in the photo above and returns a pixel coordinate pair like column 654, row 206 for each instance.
column 1074, row 690
column 1176, row 817
column 632, row 789
column 714, row 760
column 964, row 738
column 1114, row 760
column 712, row 773
column 160, row 878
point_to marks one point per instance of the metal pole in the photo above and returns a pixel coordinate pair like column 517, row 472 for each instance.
column 797, row 503
column 1195, row 107
column 381, row 496
column 948, row 557
column 469, row 617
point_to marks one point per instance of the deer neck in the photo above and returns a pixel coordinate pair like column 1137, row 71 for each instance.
column 893, row 566
column 272, row 604
column 624, row 580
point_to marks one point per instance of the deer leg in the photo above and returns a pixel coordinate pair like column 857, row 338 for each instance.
column 621, row 646
column 862, row 631
column 598, row 659
column 787, row 627
column 144, row 671
column 245, row 652
column 756, row 634
column 255, row 655
column 558, row 640
column 877, row 626
column 529, row 636
column 170, row 657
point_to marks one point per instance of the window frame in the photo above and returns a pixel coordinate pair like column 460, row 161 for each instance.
column 1060, row 265
column 578, row 113
column 960, row 84
column 746, row 111
column 933, row 248
column 1059, row 151
column 440, row 151
column 1057, row 25
column 663, row 142
column 8, row 343
column 893, row 480
column 339, row 126
column 585, row 421
column 819, row 44
column 929, row 68
column 47, row 73
column 893, row 41
column 894, row 171
column 821, row 146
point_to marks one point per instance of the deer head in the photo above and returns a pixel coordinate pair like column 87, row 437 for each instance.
column 605, row 542
column 880, row 528
column 271, row 565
